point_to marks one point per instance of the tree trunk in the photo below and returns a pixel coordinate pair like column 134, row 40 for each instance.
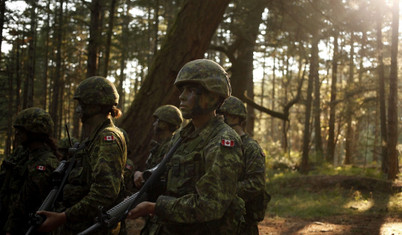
column 30, row 75
column 2, row 11
column 331, row 123
column 109, row 37
column 304, row 166
column 57, row 89
column 393, row 166
column 317, row 109
column 242, row 63
column 200, row 23
column 381, row 93
column 349, row 142
column 94, row 38
column 123, row 57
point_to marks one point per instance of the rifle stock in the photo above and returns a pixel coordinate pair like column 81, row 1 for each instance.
column 119, row 212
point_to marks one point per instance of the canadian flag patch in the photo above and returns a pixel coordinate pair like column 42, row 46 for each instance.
column 109, row 138
column 129, row 167
column 40, row 168
column 227, row 143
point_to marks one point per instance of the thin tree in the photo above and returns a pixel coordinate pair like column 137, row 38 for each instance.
column 393, row 165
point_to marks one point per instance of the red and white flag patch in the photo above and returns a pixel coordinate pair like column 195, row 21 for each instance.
column 109, row 138
column 40, row 168
column 227, row 143
column 129, row 167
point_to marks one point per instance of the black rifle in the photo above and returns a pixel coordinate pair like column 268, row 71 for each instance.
column 59, row 178
column 119, row 212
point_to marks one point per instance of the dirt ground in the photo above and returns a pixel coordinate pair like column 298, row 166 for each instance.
column 340, row 225
column 336, row 225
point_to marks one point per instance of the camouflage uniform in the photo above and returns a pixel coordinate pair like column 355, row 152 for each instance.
column 158, row 150
column 37, row 183
column 11, row 179
column 97, row 177
column 25, row 176
column 251, row 187
column 200, row 197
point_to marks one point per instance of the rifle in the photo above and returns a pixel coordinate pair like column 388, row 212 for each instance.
column 119, row 212
column 59, row 178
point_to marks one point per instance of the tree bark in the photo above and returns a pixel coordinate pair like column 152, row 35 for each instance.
column 393, row 167
column 349, row 107
column 187, row 40
column 304, row 166
column 57, row 89
column 109, row 37
column 331, row 123
column 94, row 38
column 381, row 91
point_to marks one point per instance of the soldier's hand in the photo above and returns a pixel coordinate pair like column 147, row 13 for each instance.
column 53, row 220
column 138, row 179
column 142, row 209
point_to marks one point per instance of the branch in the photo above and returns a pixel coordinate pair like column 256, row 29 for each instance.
column 265, row 110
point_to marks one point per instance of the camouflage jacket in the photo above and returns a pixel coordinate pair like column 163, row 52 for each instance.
column 158, row 150
column 96, row 179
column 129, row 177
column 35, row 185
column 200, row 197
column 252, row 183
column 11, row 178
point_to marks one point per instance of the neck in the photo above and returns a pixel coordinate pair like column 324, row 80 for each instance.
column 91, row 124
column 201, row 120
column 239, row 130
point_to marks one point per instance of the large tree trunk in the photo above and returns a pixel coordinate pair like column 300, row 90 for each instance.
column 393, row 166
column 199, row 23
column 304, row 166
column 331, row 123
column 123, row 56
column 2, row 11
column 242, row 62
column 94, row 38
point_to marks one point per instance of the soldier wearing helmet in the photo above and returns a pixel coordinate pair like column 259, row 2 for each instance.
column 251, row 187
column 25, row 175
column 97, row 177
column 199, row 196
column 167, row 119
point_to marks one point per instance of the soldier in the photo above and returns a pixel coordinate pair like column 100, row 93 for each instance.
column 251, row 187
column 97, row 177
column 25, row 177
column 200, row 197
column 168, row 119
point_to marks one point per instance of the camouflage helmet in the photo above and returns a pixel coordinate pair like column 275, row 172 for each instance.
column 206, row 73
column 170, row 114
column 35, row 120
column 97, row 90
column 233, row 106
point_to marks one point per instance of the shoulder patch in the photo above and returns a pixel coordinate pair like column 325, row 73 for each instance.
column 129, row 167
column 40, row 168
column 227, row 143
column 109, row 138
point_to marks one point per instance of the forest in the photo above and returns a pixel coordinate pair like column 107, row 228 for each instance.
column 319, row 77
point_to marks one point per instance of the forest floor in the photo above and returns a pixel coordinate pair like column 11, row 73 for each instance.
column 334, row 205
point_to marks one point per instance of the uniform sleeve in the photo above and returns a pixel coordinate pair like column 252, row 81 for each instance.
column 253, row 182
column 34, row 190
column 107, row 162
column 214, row 191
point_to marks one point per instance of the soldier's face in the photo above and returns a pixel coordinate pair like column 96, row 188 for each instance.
column 21, row 136
column 189, row 100
column 86, row 111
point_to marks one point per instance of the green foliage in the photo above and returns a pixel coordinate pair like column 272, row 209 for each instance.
column 293, row 199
